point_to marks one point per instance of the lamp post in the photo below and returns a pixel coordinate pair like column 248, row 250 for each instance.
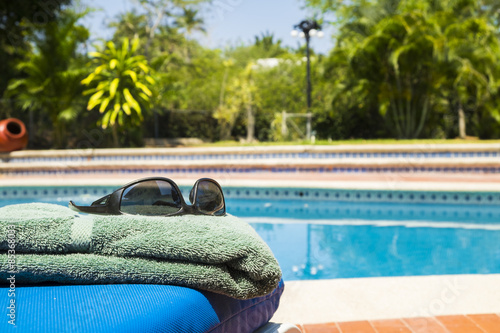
column 307, row 29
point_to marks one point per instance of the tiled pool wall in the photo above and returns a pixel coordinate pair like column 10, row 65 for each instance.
column 36, row 171
column 278, row 193
column 249, row 156
column 471, row 158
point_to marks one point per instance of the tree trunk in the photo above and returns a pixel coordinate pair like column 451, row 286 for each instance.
column 116, row 141
column 250, row 124
column 225, row 131
column 461, row 122
column 57, row 133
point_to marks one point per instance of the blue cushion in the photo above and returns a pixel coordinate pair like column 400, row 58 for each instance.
column 133, row 308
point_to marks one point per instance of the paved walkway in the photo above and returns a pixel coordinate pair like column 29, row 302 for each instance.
column 481, row 323
column 373, row 299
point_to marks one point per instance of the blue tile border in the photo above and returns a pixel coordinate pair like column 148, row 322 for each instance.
column 47, row 192
column 274, row 193
column 376, row 196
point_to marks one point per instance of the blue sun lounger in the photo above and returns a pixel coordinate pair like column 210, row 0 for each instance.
column 135, row 308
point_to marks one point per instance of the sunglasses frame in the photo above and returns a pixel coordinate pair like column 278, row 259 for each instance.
column 110, row 204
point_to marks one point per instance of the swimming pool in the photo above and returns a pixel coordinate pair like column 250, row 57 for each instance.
column 320, row 236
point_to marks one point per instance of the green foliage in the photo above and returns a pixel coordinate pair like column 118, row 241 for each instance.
column 190, row 21
column 227, row 84
column 188, row 75
column 417, row 62
column 52, row 72
column 283, row 88
column 241, row 94
column 184, row 124
column 18, row 20
column 261, row 80
column 400, row 68
column 120, row 85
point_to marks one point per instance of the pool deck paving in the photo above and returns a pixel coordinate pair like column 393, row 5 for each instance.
column 350, row 304
column 418, row 304
column 373, row 181
column 482, row 323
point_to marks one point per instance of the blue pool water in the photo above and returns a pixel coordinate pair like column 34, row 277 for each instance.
column 314, row 239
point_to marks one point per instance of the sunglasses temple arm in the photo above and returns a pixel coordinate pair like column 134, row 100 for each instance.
column 90, row 209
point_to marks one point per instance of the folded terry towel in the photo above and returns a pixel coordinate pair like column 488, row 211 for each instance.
column 53, row 244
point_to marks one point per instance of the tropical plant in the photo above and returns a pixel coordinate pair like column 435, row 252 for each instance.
column 471, row 66
column 264, row 79
column 240, row 94
column 282, row 88
column 185, row 71
column 190, row 21
column 52, row 73
column 18, row 23
column 416, row 62
column 131, row 24
column 170, row 14
column 120, row 86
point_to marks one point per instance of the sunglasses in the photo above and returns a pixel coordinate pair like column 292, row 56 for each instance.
column 159, row 197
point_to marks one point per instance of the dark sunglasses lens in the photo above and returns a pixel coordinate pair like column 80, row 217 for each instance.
column 209, row 198
column 152, row 197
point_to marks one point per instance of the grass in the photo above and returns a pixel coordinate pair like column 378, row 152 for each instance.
column 348, row 142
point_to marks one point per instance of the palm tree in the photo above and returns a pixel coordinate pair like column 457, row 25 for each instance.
column 131, row 24
column 414, row 60
column 472, row 56
column 190, row 21
column 120, row 86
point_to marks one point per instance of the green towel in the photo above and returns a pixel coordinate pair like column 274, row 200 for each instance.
column 54, row 244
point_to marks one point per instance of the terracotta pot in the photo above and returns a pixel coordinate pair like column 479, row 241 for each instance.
column 13, row 135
